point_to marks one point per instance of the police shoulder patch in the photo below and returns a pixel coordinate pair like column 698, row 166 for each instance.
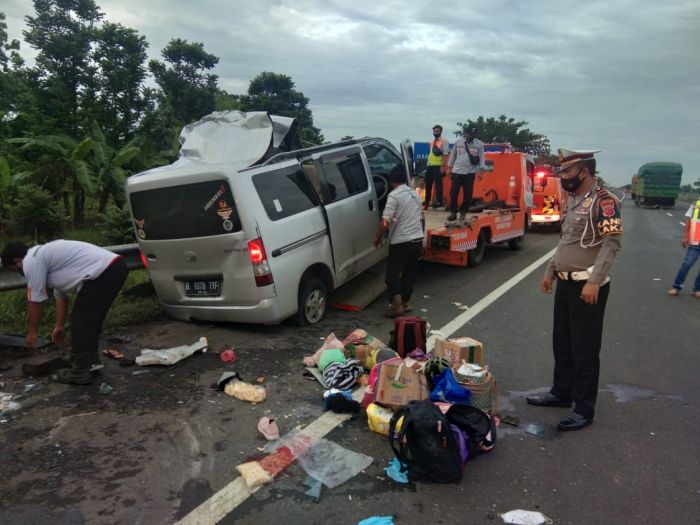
column 609, row 215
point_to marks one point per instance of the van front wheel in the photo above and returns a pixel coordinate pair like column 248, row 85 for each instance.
column 313, row 296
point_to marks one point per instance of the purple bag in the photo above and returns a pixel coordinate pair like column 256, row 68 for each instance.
column 461, row 440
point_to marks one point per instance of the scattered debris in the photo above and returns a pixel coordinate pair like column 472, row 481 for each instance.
column 106, row 389
column 44, row 365
column 117, row 339
column 340, row 401
column 20, row 341
column 524, row 517
column 113, row 353
column 227, row 354
column 426, row 297
column 139, row 372
column 7, row 404
column 513, row 421
column 396, row 472
column 224, row 380
column 332, row 464
column 260, row 379
column 170, row 356
column 541, row 431
column 314, row 488
column 267, row 426
column 253, row 474
column 245, row 391
column 377, row 520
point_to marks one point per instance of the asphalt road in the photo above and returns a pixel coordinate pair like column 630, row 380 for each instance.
column 163, row 442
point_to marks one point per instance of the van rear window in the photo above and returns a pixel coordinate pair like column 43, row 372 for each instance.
column 201, row 209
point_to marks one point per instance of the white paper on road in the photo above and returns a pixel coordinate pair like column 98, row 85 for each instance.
column 525, row 517
column 170, row 356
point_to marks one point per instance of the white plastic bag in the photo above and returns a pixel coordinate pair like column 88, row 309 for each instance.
column 524, row 517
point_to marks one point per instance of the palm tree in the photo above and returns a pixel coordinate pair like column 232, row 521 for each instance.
column 108, row 165
column 60, row 167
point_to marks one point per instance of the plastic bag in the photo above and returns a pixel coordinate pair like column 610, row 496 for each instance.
column 332, row 464
column 524, row 517
column 448, row 390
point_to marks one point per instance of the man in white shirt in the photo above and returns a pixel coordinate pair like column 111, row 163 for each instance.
column 402, row 217
column 466, row 161
column 96, row 275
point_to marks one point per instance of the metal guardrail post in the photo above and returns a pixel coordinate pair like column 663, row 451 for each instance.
column 130, row 253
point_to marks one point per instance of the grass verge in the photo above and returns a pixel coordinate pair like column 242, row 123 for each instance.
column 136, row 303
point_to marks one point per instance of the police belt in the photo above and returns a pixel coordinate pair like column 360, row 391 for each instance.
column 578, row 276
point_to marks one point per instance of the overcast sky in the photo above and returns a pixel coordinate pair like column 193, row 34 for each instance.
column 617, row 75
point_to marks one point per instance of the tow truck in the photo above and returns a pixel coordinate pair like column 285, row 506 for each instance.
column 499, row 211
column 548, row 199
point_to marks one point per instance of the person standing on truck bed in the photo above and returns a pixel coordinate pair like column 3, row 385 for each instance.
column 402, row 217
column 437, row 160
column 95, row 274
column 590, row 238
column 466, row 161
column 691, row 240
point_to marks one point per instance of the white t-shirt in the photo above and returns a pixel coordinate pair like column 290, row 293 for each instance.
column 63, row 266
column 403, row 213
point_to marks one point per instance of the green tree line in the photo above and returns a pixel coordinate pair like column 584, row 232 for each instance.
column 83, row 118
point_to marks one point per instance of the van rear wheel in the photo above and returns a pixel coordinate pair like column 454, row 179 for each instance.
column 475, row 256
column 313, row 296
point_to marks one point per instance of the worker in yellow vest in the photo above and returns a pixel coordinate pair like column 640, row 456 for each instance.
column 691, row 240
column 437, row 160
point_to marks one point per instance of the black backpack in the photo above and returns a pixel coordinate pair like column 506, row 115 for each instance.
column 477, row 425
column 408, row 334
column 425, row 443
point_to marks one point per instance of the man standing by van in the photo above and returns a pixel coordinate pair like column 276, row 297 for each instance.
column 466, row 160
column 96, row 275
column 435, row 171
column 402, row 217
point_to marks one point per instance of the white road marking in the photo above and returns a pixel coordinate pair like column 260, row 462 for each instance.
column 223, row 502
column 669, row 214
column 681, row 223
column 463, row 318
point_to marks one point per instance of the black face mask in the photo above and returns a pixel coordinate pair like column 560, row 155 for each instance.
column 436, row 135
column 572, row 184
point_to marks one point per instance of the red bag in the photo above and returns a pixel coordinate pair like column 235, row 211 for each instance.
column 408, row 334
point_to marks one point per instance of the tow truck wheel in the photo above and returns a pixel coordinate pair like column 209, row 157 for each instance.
column 475, row 256
column 313, row 297
column 517, row 243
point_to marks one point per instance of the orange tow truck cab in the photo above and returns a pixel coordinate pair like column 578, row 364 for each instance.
column 498, row 213
column 548, row 198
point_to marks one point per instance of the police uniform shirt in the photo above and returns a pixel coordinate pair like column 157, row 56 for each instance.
column 591, row 233
column 63, row 266
column 403, row 213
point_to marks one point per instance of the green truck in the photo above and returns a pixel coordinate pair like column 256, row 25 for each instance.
column 657, row 184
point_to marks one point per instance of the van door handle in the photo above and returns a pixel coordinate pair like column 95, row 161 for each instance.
column 371, row 205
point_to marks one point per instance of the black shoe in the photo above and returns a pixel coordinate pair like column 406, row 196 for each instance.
column 574, row 421
column 435, row 205
column 547, row 400
column 74, row 376
column 452, row 217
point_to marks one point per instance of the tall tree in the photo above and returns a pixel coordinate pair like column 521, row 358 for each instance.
column 186, row 85
column 120, row 100
column 276, row 93
column 505, row 129
column 63, row 32
column 12, row 85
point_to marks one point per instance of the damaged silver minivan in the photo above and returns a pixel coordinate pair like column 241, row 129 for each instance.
column 246, row 226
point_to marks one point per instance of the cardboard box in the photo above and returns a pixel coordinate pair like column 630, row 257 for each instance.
column 398, row 384
column 458, row 349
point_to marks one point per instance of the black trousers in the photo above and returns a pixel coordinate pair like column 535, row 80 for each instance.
column 577, row 336
column 402, row 268
column 466, row 183
column 433, row 175
column 89, row 311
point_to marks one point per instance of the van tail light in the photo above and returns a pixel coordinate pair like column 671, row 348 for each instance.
column 144, row 259
column 258, row 258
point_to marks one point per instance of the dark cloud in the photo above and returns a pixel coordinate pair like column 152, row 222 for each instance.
column 618, row 76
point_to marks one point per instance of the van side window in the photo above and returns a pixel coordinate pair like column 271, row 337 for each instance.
column 381, row 159
column 284, row 192
column 345, row 177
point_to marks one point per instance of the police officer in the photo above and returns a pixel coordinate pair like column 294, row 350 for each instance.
column 590, row 238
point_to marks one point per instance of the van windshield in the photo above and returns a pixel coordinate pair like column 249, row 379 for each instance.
column 202, row 209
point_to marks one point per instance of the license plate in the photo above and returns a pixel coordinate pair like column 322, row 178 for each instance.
column 204, row 288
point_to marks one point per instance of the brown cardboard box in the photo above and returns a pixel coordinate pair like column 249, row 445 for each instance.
column 458, row 349
column 398, row 384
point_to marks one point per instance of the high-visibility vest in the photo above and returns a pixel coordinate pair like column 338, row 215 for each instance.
column 694, row 233
column 436, row 160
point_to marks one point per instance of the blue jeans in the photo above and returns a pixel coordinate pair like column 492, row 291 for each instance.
column 690, row 257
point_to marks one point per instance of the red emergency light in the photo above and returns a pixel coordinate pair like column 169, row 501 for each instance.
column 540, row 174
